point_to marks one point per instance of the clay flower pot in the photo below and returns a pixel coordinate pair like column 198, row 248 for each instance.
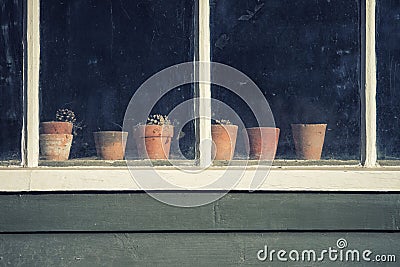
column 262, row 142
column 153, row 141
column 55, row 146
column 56, row 127
column 308, row 140
column 224, row 139
column 110, row 145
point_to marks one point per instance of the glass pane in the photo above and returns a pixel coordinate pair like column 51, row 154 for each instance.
column 388, row 75
column 304, row 55
column 11, row 60
column 96, row 54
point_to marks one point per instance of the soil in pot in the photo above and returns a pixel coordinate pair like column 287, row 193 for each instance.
column 262, row 142
column 224, row 139
column 55, row 146
column 308, row 140
column 153, row 141
column 110, row 145
column 56, row 127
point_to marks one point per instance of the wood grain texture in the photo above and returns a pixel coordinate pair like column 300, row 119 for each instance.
column 369, row 113
column 236, row 211
column 182, row 249
column 31, row 125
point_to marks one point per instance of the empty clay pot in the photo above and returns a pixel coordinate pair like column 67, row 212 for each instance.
column 110, row 145
column 56, row 127
column 308, row 140
column 262, row 142
column 153, row 141
column 224, row 139
column 55, row 146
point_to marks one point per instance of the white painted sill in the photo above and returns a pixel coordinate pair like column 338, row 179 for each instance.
column 312, row 178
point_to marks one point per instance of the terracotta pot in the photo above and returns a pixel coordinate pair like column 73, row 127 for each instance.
column 153, row 141
column 308, row 140
column 55, row 146
column 224, row 138
column 262, row 142
column 56, row 127
column 110, row 145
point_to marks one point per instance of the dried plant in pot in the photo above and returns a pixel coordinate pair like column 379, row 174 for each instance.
column 153, row 140
column 224, row 135
column 309, row 140
column 261, row 142
column 65, row 120
column 110, row 145
column 55, row 137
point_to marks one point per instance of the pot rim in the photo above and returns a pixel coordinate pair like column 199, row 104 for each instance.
column 224, row 125
column 98, row 132
column 152, row 125
column 55, row 134
column 308, row 124
column 262, row 127
column 139, row 131
column 56, row 122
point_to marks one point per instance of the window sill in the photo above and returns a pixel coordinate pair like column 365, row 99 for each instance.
column 292, row 178
column 92, row 162
column 96, row 163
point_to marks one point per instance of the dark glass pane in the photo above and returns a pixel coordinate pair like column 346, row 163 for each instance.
column 96, row 54
column 388, row 75
column 305, row 57
column 11, row 59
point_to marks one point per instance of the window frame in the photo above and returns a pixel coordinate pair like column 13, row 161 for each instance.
column 368, row 84
column 365, row 177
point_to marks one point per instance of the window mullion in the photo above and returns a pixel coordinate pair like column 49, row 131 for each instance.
column 368, row 96
column 31, row 83
column 204, row 85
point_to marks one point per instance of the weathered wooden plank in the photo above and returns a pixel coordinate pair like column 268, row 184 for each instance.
column 236, row 211
column 196, row 249
column 311, row 211
column 333, row 179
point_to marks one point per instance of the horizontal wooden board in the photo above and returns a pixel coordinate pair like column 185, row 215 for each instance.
column 265, row 211
column 105, row 179
column 194, row 249
column 94, row 161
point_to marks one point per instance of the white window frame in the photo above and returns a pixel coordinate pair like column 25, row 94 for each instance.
column 366, row 177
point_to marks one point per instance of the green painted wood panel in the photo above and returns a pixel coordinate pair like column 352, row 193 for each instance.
column 236, row 211
column 190, row 249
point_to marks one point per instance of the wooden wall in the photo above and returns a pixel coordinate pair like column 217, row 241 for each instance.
column 132, row 229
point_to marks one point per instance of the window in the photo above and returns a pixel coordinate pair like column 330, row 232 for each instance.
column 388, row 67
column 95, row 55
column 11, row 65
column 305, row 56
column 314, row 62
